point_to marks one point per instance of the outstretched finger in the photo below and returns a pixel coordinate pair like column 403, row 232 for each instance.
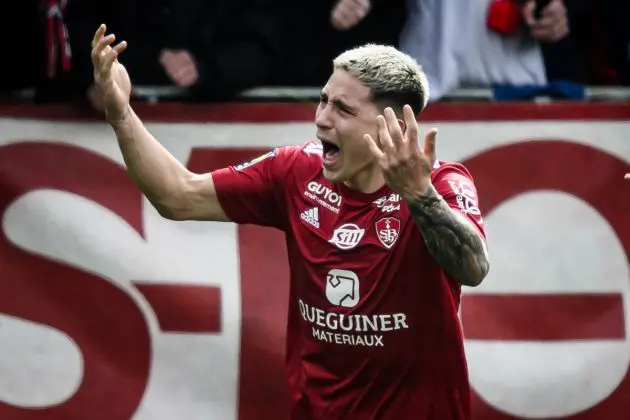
column 120, row 47
column 374, row 149
column 98, row 35
column 112, row 55
column 411, row 126
column 103, row 46
column 385, row 141
column 429, row 145
column 393, row 128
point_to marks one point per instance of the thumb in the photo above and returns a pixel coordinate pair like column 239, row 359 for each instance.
column 528, row 12
column 429, row 144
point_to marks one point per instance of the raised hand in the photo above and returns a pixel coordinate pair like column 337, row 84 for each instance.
column 348, row 13
column 406, row 167
column 110, row 77
column 552, row 26
column 180, row 67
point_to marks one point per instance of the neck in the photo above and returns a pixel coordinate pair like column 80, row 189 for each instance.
column 367, row 181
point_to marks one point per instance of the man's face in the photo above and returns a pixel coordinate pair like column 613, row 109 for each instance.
column 345, row 113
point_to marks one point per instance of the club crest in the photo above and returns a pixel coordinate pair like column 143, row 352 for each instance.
column 387, row 231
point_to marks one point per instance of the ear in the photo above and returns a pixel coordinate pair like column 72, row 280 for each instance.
column 402, row 125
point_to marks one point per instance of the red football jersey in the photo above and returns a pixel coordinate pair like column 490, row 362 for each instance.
column 373, row 329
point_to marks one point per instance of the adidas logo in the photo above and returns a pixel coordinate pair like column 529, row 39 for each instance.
column 311, row 216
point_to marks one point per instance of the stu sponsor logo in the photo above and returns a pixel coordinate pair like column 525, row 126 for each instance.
column 347, row 236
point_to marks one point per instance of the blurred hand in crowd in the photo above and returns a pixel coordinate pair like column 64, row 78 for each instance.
column 552, row 25
column 180, row 67
column 348, row 13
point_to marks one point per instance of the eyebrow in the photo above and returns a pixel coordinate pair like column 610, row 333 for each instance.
column 339, row 103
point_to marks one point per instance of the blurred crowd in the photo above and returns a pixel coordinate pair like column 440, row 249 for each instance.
column 215, row 49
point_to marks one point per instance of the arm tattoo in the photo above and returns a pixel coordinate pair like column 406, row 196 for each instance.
column 450, row 238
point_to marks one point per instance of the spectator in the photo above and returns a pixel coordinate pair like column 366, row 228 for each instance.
column 613, row 16
column 213, row 50
column 23, row 50
column 491, row 42
column 315, row 31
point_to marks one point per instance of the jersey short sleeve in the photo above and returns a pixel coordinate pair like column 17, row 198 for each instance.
column 253, row 192
column 455, row 184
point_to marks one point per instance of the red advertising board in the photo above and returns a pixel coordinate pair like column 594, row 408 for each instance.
column 108, row 311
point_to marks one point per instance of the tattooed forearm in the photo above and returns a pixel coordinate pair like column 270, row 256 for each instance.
column 450, row 238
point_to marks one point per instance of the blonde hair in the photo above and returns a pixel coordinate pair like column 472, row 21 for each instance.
column 394, row 78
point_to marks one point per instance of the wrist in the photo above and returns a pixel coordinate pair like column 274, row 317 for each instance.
column 115, row 116
column 423, row 203
column 424, row 190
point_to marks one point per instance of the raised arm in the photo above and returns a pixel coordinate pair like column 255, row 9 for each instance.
column 174, row 191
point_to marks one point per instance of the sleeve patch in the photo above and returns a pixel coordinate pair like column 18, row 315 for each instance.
column 256, row 160
column 465, row 196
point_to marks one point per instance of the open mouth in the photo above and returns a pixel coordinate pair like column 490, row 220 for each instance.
column 330, row 152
